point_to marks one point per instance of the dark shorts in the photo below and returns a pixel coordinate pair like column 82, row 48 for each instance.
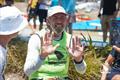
column 112, row 73
column 32, row 12
column 42, row 13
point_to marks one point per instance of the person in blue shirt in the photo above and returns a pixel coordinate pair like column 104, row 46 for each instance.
column 69, row 6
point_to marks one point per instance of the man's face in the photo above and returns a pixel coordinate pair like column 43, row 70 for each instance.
column 58, row 22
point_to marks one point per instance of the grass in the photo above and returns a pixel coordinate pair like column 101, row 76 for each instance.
column 17, row 50
column 94, row 57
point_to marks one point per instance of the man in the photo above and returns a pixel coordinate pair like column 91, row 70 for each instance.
column 10, row 25
column 69, row 6
column 108, row 11
column 111, row 67
column 50, row 49
column 42, row 9
column 31, row 9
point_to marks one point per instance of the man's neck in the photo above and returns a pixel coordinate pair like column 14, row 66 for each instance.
column 57, row 36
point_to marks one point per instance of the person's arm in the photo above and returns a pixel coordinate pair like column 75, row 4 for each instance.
column 101, row 6
column 29, row 4
column 109, row 62
column 118, row 7
column 76, row 51
column 33, row 60
column 80, row 66
column 116, row 48
column 106, row 67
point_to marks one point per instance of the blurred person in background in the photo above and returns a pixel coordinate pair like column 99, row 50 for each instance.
column 69, row 6
column 42, row 9
column 108, row 11
column 11, row 22
column 31, row 10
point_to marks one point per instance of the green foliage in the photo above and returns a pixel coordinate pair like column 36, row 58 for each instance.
column 89, row 42
column 17, row 50
column 104, row 51
column 93, row 68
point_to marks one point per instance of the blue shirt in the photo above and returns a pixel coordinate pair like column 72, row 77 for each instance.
column 54, row 2
column 69, row 6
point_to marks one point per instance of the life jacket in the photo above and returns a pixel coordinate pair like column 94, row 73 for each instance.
column 56, row 64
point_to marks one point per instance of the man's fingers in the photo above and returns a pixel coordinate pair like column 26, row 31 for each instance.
column 73, row 44
column 49, row 38
column 45, row 38
column 77, row 41
column 56, row 46
column 42, row 41
column 82, row 46
column 70, row 51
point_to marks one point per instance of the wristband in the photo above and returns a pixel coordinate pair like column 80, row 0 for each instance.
column 78, row 62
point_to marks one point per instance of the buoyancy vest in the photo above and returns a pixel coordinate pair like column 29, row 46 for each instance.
column 56, row 64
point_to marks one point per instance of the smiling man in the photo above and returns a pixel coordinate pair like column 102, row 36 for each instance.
column 50, row 49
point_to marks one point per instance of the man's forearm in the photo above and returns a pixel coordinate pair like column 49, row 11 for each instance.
column 105, row 70
column 103, row 76
column 33, row 63
column 81, row 68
